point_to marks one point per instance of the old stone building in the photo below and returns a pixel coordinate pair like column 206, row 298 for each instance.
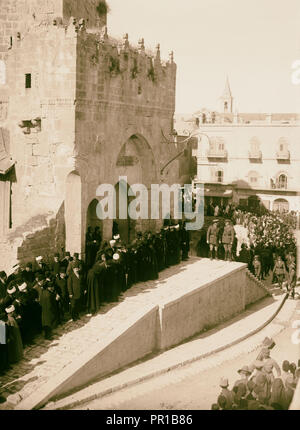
column 78, row 108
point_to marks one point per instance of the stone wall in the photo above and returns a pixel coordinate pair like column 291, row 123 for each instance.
column 203, row 308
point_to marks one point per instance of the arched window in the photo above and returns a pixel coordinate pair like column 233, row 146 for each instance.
column 282, row 144
column 225, row 106
column 281, row 205
column 282, row 181
column 254, row 145
column 253, row 178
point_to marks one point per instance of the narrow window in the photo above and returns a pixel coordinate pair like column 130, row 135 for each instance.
column 28, row 80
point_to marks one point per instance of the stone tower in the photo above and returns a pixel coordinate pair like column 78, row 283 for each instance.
column 227, row 99
column 17, row 17
column 78, row 109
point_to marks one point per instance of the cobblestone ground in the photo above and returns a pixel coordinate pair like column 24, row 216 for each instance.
column 46, row 358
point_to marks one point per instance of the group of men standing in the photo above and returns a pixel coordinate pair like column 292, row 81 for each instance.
column 119, row 266
column 216, row 236
column 43, row 294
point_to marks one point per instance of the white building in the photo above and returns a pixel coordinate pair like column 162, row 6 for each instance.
column 247, row 158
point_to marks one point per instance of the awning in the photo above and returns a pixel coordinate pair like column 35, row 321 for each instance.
column 217, row 193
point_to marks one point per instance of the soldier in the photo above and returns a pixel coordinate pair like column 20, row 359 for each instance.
column 257, row 267
column 292, row 279
column 212, row 239
column 279, row 270
column 227, row 239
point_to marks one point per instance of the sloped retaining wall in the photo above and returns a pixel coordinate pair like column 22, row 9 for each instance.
column 155, row 327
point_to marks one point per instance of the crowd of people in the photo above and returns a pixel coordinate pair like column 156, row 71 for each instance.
column 41, row 295
column 265, row 242
column 262, row 385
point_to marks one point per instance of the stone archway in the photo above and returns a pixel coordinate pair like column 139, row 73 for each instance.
column 73, row 213
column 124, row 227
column 135, row 161
column 92, row 219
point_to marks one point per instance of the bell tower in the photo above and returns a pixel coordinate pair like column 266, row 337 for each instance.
column 227, row 99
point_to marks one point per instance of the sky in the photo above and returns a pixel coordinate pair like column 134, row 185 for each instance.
column 253, row 42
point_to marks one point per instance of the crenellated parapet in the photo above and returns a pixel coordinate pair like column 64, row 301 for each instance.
column 118, row 68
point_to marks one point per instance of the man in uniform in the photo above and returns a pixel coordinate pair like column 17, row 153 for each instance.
column 227, row 239
column 212, row 239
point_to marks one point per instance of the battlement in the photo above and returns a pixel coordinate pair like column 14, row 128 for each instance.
column 114, row 69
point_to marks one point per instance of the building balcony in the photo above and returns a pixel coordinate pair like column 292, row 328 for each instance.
column 221, row 154
column 283, row 155
column 255, row 155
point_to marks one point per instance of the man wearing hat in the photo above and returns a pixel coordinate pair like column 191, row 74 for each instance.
column 227, row 239
column 39, row 265
column 212, row 239
column 75, row 290
column 25, row 302
column 28, row 275
column 244, row 373
column 62, row 287
column 15, row 275
column 66, row 261
column 55, row 265
column 15, row 345
column 226, row 393
column 3, row 288
column 11, row 295
column 4, row 363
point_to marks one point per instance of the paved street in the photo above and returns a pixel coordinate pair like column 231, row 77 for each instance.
column 195, row 386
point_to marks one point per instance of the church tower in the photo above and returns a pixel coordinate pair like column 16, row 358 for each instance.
column 227, row 99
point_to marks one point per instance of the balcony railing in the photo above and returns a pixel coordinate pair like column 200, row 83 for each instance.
column 255, row 155
column 283, row 155
column 221, row 153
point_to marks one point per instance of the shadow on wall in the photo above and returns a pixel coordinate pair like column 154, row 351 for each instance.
column 46, row 241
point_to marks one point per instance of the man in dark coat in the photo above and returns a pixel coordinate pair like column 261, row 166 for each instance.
column 48, row 302
column 39, row 266
column 95, row 285
column 3, row 289
column 66, row 261
column 4, row 363
column 75, row 290
column 55, row 265
column 28, row 275
column 62, row 287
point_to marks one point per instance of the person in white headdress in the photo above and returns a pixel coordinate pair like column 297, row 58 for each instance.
column 15, row 345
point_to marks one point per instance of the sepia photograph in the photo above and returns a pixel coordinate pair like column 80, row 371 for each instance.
column 149, row 208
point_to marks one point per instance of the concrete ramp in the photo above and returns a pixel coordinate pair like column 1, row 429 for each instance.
column 157, row 315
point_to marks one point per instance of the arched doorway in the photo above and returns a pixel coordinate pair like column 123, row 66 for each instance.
column 281, row 205
column 92, row 219
column 73, row 215
column 136, row 163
